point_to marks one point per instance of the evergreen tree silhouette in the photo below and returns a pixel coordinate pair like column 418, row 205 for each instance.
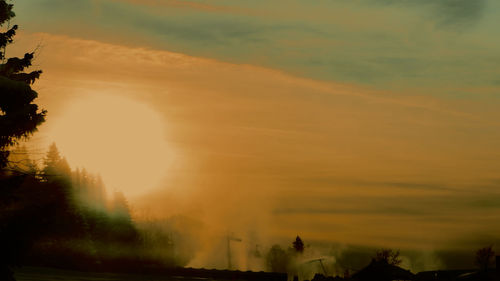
column 298, row 245
column 19, row 116
column 56, row 167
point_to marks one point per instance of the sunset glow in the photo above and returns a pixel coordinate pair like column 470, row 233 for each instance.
column 233, row 127
column 126, row 145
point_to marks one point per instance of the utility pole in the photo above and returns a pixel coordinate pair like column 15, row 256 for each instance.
column 230, row 237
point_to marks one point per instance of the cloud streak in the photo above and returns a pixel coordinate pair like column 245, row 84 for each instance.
column 452, row 13
column 398, row 46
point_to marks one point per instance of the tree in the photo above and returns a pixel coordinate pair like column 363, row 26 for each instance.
column 19, row 119
column 52, row 158
column 484, row 257
column 389, row 256
column 120, row 207
column 55, row 166
column 94, row 194
column 298, row 245
column 19, row 116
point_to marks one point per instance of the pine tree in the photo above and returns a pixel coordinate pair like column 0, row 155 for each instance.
column 298, row 245
column 53, row 156
column 76, row 179
column 19, row 116
column 51, row 162
column 120, row 208
column 55, row 166
column 100, row 192
column 84, row 180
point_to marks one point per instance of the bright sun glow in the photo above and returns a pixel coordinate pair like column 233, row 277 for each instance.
column 117, row 137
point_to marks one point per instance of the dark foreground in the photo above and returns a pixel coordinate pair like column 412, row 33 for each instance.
column 51, row 274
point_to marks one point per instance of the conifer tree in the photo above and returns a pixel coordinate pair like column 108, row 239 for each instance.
column 298, row 245
column 19, row 116
column 55, row 167
column 100, row 192
column 51, row 161
column 76, row 179
column 120, row 207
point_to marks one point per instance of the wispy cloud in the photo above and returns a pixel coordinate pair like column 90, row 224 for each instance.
column 397, row 46
column 449, row 13
column 194, row 5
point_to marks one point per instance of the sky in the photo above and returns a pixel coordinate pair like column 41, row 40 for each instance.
column 371, row 122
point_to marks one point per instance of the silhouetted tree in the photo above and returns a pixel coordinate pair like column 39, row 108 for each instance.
column 19, row 116
column 298, row 245
column 52, row 157
column 389, row 256
column 97, row 193
column 84, row 178
column 43, row 222
column 76, row 180
column 120, row 206
column 55, row 166
column 484, row 257
column 121, row 220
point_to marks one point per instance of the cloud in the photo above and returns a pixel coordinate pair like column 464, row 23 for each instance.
column 450, row 13
column 193, row 5
column 395, row 47
column 461, row 11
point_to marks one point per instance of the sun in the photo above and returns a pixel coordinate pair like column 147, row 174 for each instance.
column 119, row 138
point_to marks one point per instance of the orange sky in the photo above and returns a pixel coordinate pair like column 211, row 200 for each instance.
column 252, row 149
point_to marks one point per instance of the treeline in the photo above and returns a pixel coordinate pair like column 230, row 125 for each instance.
column 55, row 216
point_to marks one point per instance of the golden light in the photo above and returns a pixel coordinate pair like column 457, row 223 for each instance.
column 118, row 137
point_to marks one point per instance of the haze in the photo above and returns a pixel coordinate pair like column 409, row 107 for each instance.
column 364, row 122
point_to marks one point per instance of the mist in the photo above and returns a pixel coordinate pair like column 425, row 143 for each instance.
column 253, row 141
column 325, row 163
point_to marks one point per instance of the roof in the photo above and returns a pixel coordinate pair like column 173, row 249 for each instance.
column 383, row 271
